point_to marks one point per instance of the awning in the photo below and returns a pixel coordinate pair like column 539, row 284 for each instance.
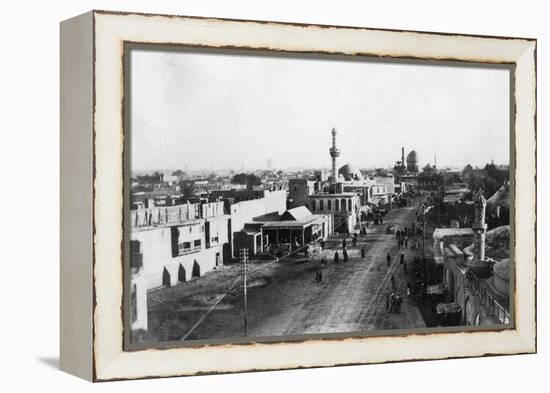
column 448, row 308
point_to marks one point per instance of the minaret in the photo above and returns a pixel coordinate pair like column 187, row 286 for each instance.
column 403, row 157
column 479, row 265
column 334, row 153
column 479, row 227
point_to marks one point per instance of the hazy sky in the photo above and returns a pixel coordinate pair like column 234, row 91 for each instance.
column 218, row 111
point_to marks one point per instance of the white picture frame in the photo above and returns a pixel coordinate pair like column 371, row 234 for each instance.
column 92, row 190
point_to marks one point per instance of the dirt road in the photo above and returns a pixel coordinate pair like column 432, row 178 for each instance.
column 284, row 299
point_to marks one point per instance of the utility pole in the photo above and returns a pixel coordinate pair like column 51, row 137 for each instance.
column 424, row 262
column 244, row 270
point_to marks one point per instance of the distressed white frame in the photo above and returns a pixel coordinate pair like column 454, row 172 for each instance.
column 109, row 361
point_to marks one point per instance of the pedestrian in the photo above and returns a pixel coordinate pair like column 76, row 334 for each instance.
column 345, row 255
column 392, row 281
column 336, row 257
column 398, row 301
column 362, row 253
column 318, row 276
column 406, row 241
column 388, row 259
column 344, row 243
column 402, row 257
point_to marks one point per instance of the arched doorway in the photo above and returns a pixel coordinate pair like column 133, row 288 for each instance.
column 181, row 274
column 165, row 278
column 196, row 269
column 226, row 252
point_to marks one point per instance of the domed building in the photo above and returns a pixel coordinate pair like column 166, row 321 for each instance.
column 349, row 172
column 501, row 277
column 476, row 277
column 412, row 162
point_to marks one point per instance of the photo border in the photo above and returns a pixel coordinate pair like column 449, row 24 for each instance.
column 258, row 53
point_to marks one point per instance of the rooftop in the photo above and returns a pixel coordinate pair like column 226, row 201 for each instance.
column 443, row 232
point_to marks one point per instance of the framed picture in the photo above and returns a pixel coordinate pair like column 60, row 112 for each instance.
column 246, row 195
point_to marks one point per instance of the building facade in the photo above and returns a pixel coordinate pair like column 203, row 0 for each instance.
column 345, row 207
column 175, row 244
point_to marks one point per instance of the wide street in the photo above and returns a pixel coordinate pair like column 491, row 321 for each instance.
column 285, row 299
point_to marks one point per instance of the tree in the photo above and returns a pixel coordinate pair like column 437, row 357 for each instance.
column 178, row 173
column 467, row 172
column 489, row 179
column 429, row 178
column 249, row 179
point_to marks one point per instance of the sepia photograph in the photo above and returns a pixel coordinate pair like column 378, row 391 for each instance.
column 272, row 196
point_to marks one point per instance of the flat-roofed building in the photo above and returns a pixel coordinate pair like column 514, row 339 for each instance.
column 291, row 230
column 174, row 244
column 345, row 207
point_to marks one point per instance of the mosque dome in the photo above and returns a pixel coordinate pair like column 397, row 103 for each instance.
column 501, row 276
column 411, row 158
column 349, row 172
column 412, row 161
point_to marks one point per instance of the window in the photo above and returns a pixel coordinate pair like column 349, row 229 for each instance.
column 337, row 205
column 329, row 205
column 186, row 245
column 197, row 243
column 313, row 205
column 321, row 207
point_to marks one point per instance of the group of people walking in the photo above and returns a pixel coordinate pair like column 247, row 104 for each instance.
column 408, row 235
column 393, row 302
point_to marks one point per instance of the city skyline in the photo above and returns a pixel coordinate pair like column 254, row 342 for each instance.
column 192, row 99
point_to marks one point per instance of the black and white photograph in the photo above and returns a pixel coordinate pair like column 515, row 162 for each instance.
column 285, row 195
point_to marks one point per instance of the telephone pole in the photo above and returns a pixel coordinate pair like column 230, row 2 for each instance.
column 244, row 270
